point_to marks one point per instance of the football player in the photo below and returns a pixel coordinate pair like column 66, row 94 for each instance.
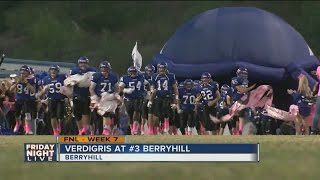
column 81, row 97
column 132, row 85
column 163, row 84
column 174, row 119
column 104, row 81
column 187, row 97
column 239, row 85
column 149, row 70
column 25, row 88
column 56, row 100
column 208, row 96
column 224, row 104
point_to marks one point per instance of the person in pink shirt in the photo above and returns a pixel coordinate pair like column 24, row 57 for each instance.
column 315, row 122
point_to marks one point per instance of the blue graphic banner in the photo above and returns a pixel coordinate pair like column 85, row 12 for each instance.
column 159, row 148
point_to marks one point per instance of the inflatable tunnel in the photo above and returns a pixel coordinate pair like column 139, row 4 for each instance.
column 221, row 40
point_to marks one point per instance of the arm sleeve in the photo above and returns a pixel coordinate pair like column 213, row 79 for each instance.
column 121, row 82
column 95, row 78
column 72, row 72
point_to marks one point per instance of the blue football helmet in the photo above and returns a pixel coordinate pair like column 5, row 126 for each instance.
column 205, row 77
column 25, row 68
column 149, row 68
column 105, row 64
column 83, row 59
column 224, row 89
column 55, row 67
column 188, row 83
column 162, row 67
column 132, row 71
column 242, row 72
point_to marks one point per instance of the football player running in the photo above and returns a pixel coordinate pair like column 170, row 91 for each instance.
column 25, row 88
column 239, row 85
column 224, row 104
column 146, row 115
column 81, row 97
column 56, row 100
column 208, row 96
column 103, row 81
column 187, row 97
column 163, row 84
column 132, row 85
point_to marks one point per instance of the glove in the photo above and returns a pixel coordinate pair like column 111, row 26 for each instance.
column 149, row 104
column 173, row 106
column 37, row 95
column 46, row 88
column 94, row 99
column 128, row 90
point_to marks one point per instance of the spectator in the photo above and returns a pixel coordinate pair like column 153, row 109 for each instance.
column 314, row 128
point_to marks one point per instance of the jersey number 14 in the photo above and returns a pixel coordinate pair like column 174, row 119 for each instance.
column 164, row 85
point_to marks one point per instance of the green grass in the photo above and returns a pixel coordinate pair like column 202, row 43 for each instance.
column 282, row 157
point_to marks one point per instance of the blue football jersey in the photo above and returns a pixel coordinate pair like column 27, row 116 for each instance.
column 104, row 84
column 222, row 103
column 137, row 83
column 208, row 93
column 238, row 81
column 148, row 78
column 23, row 93
column 302, row 102
column 214, row 83
column 163, row 84
column 54, row 86
column 81, row 91
column 187, row 98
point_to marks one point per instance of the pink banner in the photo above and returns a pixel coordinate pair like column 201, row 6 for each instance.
column 262, row 97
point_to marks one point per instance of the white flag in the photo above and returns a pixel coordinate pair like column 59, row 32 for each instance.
column 136, row 57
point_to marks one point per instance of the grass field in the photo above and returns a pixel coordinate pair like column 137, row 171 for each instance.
column 282, row 157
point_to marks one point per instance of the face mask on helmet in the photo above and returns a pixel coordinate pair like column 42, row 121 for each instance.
column 83, row 65
column 205, row 80
column 188, row 86
column 24, row 73
column 224, row 89
column 132, row 72
column 243, row 73
column 149, row 69
column 104, row 70
column 53, row 72
column 162, row 70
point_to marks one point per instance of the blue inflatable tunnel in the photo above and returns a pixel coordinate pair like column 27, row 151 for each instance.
column 221, row 40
